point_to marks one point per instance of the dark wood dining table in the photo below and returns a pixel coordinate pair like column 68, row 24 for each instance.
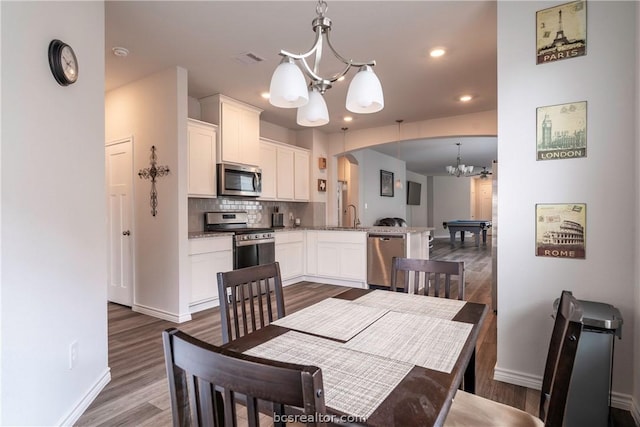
column 424, row 396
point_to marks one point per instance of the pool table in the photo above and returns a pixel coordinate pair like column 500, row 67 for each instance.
column 462, row 225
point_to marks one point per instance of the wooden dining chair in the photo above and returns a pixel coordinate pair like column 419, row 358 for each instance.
column 250, row 299
column 426, row 277
column 470, row 409
column 204, row 381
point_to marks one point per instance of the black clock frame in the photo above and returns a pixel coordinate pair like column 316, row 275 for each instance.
column 55, row 62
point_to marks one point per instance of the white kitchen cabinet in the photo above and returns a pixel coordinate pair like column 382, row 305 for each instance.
column 239, row 133
column 201, row 148
column 268, row 164
column 285, row 172
column 284, row 180
column 301, row 176
column 208, row 256
column 338, row 255
column 290, row 252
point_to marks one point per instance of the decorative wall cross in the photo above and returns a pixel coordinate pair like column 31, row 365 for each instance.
column 153, row 172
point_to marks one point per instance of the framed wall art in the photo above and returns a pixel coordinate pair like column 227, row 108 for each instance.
column 561, row 32
column 322, row 185
column 386, row 183
column 561, row 230
column 561, row 131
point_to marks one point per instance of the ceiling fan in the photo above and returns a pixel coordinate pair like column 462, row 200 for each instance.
column 484, row 173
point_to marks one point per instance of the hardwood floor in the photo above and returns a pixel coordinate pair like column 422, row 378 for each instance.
column 138, row 395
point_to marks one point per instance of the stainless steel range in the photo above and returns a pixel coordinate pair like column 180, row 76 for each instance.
column 251, row 245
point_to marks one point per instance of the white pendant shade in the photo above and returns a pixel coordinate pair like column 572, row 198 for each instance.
column 315, row 112
column 365, row 92
column 288, row 86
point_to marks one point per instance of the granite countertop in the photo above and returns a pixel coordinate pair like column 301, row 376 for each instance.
column 395, row 230
column 202, row 234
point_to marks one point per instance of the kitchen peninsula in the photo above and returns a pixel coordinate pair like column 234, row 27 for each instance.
column 324, row 254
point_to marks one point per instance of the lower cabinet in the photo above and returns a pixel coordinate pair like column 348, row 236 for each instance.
column 290, row 253
column 340, row 255
column 208, row 256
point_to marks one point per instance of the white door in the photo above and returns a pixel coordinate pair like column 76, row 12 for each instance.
column 484, row 199
column 119, row 180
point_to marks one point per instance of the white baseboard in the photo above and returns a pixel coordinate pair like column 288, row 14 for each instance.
column 517, row 378
column 161, row 314
column 292, row 280
column 86, row 400
column 621, row 401
column 635, row 411
column 339, row 282
column 618, row 400
column 204, row 305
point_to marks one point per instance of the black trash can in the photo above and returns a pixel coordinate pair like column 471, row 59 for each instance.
column 589, row 395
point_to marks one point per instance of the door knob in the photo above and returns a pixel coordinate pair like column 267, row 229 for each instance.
column 126, row 233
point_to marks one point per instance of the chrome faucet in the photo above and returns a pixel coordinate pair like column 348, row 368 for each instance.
column 356, row 221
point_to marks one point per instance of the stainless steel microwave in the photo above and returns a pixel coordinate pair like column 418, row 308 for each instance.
column 239, row 180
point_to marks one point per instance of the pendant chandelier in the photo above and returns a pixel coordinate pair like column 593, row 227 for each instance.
column 459, row 169
column 289, row 88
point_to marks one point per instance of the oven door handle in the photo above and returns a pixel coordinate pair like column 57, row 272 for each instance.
column 255, row 242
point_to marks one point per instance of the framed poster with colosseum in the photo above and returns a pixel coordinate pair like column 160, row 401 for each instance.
column 561, row 131
column 561, row 230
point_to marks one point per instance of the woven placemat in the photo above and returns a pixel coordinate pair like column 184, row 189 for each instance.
column 413, row 338
column 332, row 318
column 355, row 383
column 442, row 308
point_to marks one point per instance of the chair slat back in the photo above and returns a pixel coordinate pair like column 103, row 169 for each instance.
column 428, row 277
column 560, row 360
column 248, row 297
column 204, row 381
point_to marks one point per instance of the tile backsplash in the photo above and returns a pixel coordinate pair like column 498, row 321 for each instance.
column 259, row 212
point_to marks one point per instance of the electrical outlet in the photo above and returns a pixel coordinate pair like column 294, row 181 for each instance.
column 73, row 354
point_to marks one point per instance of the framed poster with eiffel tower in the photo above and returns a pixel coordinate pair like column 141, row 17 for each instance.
column 561, row 32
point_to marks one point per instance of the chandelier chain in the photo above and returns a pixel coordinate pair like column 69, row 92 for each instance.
column 321, row 8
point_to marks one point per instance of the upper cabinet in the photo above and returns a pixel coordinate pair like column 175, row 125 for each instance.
column 239, row 128
column 269, row 166
column 201, row 149
column 301, row 175
column 285, row 172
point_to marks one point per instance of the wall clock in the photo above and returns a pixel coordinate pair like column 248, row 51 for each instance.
column 63, row 62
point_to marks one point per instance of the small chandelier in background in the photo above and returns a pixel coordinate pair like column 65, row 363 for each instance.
column 459, row 169
column 290, row 90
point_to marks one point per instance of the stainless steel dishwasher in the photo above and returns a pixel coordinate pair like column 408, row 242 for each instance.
column 381, row 248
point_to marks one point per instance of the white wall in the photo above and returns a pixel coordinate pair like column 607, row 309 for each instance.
column 475, row 124
column 370, row 163
column 54, row 276
column 451, row 200
column 417, row 214
column 154, row 111
column 527, row 285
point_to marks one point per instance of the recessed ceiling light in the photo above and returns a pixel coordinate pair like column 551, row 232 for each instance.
column 348, row 118
column 465, row 98
column 265, row 95
column 437, row 52
column 120, row 51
